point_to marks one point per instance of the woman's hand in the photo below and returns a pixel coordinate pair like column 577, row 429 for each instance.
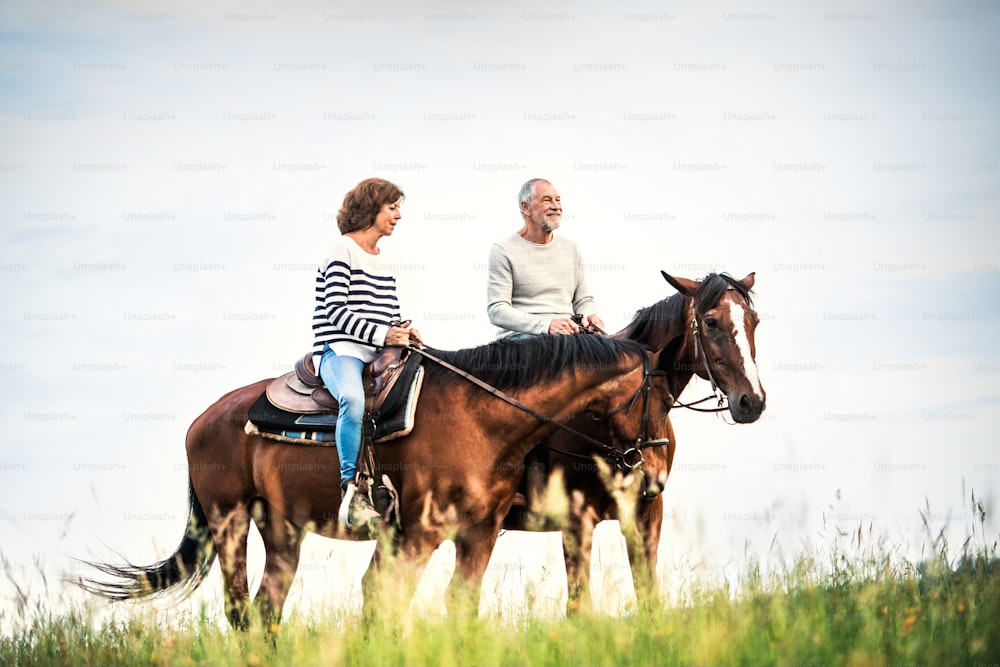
column 415, row 337
column 403, row 335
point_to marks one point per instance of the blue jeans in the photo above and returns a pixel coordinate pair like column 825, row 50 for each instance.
column 342, row 376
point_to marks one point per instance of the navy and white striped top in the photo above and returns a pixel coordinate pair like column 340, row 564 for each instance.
column 355, row 301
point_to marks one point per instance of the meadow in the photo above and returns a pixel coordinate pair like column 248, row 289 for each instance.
column 858, row 603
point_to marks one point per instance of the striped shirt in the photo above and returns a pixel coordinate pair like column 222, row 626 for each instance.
column 355, row 301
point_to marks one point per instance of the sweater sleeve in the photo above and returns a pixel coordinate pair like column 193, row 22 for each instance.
column 584, row 302
column 333, row 286
column 499, row 297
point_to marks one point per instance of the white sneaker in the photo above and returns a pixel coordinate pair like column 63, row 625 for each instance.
column 356, row 511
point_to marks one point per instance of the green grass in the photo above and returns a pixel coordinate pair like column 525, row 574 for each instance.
column 865, row 612
column 861, row 606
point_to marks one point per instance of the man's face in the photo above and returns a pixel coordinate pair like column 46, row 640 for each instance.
column 545, row 208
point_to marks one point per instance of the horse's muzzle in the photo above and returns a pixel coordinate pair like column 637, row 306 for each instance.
column 746, row 408
column 653, row 484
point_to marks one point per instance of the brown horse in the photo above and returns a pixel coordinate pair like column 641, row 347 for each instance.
column 706, row 329
column 456, row 473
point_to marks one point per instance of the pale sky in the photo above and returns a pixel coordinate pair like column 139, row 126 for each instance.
column 169, row 176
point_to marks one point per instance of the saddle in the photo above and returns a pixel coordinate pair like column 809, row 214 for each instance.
column 297, row 406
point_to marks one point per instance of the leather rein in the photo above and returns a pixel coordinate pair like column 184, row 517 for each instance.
column 626, row 460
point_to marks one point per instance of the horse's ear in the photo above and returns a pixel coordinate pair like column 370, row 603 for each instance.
column 682, row 285
column 748, row 281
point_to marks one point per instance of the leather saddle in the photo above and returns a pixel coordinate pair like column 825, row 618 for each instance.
column 392, row 384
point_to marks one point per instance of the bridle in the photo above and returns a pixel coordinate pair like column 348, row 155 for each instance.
column 621, row 460
column 721, row 402
column 626, row 460
column 716, row 392
column 699, row 345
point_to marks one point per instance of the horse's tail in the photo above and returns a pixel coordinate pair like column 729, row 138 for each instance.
column 180, row 574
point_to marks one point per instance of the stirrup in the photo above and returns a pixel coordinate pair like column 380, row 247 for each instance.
column 356, row 511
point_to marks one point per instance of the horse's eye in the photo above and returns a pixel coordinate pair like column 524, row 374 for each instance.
column 711, row 322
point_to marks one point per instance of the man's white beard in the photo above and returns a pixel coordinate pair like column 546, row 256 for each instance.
column 550, row 226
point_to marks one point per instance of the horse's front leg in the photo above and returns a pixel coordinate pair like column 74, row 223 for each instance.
column 373, row 588
column 643, row 549
column 472, row 555
column 578, row 541
column 389, row 583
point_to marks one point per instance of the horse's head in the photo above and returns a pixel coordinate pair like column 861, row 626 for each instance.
column 722, row 326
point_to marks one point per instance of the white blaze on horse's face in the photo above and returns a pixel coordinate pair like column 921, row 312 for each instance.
column 742, row 338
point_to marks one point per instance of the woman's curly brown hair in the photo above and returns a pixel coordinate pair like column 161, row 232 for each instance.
column 363, row 203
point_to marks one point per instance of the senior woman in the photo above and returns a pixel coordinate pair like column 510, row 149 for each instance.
column 357, row 312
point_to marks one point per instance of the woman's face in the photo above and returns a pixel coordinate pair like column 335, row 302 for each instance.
column 387, row 218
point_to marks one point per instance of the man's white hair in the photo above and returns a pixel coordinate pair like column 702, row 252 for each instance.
column 527, row 192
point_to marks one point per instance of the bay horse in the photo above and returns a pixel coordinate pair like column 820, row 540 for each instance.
column 706, row 328
column 456, row 472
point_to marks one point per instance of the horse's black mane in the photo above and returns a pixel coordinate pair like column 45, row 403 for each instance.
column 525, row 361
column 650, row 321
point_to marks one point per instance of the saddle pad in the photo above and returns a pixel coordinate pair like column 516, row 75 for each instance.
column 269, row 417
column 399, row 411
column 315, row 438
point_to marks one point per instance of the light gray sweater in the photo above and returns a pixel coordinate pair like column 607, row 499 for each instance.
column 530, row 284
